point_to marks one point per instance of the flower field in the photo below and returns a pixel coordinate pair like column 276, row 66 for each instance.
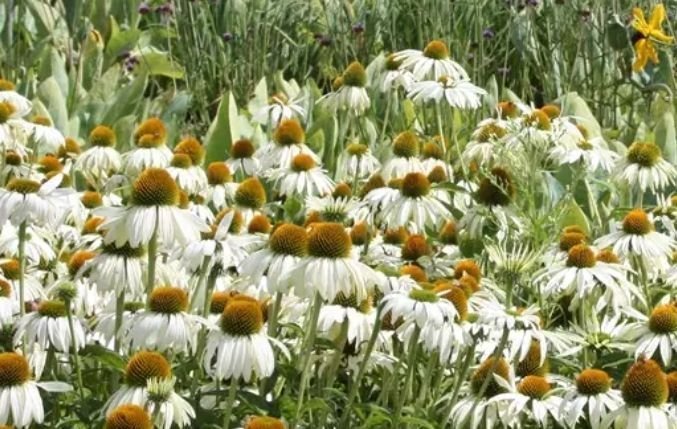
column 297, row 214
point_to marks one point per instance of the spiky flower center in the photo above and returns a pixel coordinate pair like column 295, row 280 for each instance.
column 236, row 222
column 78, row 260
column 289, row 132
column 91, row 199
column 260, row 224
column 11, row 269
column 342, row 190
column 242, row 318
column 242, row 149
column 289, row 239
column 69, row 149
column 181, row 160
column 155, row 187
column 497, row 189
column 14, row 370
column 264, row 422
column 357, row 149
column 13, row 158
column 151, row 133
column 569, row 239
column 644, row 154
column 219, row 301
column 102, row 136
column 360, row 233
column 218, row 173
column 540, row 120
column 593, row 381
column 168, row 300
column 581, row 256
column 415, row 247
column 144, row 365
column 5, row 289
column 608, row 256
column 484, row 371
column 6, row 85
column 250, row 194
column 672, row 386
column 302, row 162
column 531, row 364
column 6, row 111
column 534, row 386
column 456, row 296
column 395, row 236
column 637, row 222
column 663, row 319
column 125, row 251
column 351, row 301
column 52, row 308
column 436, row 50
column 193, row 148
column 415, row 272
column 448, row 234
column 645, row 385
column 406, row 145
column 507, row 109
column 23, row 186
column 424, row 295
column 415, row 185
column 437, row 175
column 355, row 75
column 432, row 149
column 128, row 416
column 374, row 182
column 551, row 110
column 468, row 284
column 469, row 267
column 329, row 240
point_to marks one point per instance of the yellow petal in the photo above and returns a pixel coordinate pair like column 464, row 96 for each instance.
column 660, row 36
column 657, row 17
column 639, row 23
column 641, row 55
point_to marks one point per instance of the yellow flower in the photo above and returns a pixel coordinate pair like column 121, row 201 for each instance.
column 648, row 32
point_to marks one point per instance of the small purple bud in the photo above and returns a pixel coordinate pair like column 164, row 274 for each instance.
column 144, row 8
column 503, row 70
column 227, row 36
column 532, row 3
column 358, row 28
column 488, row 33
column 325, row 41
column 165, row 9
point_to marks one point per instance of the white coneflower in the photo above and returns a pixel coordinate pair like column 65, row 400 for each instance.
column 101, row 160
column 419, row 306
column 150, row 151
column 16, row 167
column 405, row 157
column 249, row 198
column 461, row 94
column 128, row 416
column 33, row 286
column 589, row 280
column 351, row 94
column 638, row 238
column 645, row 391
column 644, row 168
column 532, row 398
column 286, row 246
column 281, row 107
column 47, row 138
column 302, row 177
column 21, row 105
column 485, row 141
column 171, row 408
column 238, row 347
column 394, row 76
column 154, row 210
column 48, row 326
column 415, row 205
column 360, row 317
column 118, row 269
column 36, row 245
column 593, row 153
column 13, row 107
column 590, row 398
column 431, row 63
column 191, row 180
column 242, row 158
column 655, row 335
column 288, row 141
column 263, row 422
column 330, row 267
column 165, row 324
column 20, row 399
column 221, row 186
column 9, row 306
column 356, row 161
column 433, row 159
column 26, row 200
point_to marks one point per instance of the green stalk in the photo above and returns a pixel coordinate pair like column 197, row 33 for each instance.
column 202, row 275
column 76, row 357
column 307, row 350
column 340, row 344
column 209, row 287
column 425, row 384
column 232, row 392
column 345, row 419
column 152, row 257
column 22, row 268
column 404, row 396
column 460, row 375
column 274, row 312
column 119, row 314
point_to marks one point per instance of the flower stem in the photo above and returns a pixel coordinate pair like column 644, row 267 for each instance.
column 202, row 275
column 425, row 384
column 76, row 357
column 152, row 257
column 460, row 375
column 274, row 313
column 22, row 281
column 232, row 392
column 404, row 396
column 209, row 287
column 307, row 350
column 119, row 314
column 345, row 419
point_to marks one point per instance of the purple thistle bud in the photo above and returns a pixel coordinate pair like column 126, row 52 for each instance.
column 144, row 8
column 358, row 28
column 488, row 33
column 227, row 36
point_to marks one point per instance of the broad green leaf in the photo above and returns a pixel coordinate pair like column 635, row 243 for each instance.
column 491, row 100
column 663, row 72
column 124, row 127
column 53, row 65
column 120, row 42
column 92, row 59
column 126, row 100
column 617, row 34
column 572, row 214
column 573, row 105
column 221, row 135
column 260, row 98
column 51, row 96
column 664, row 133
column 158, row 63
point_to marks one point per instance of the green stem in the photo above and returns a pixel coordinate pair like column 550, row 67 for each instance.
column 307, row 350
column 152, row 257
column 119, row 314
column 425, row 384
column 202, row 275
column 209, row 287
column 460, row 375
column 340, row 344
column 440, row 128
column 274, row 313
column 404, row 396
column 345, row 419
column 386, row 118
column 76, row 357
column 22, row 277
column 232, row 392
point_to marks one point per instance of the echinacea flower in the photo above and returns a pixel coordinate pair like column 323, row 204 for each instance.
column 419, row 306
column 151, row 150
column 406, row 148
column 532, row 399
column 655, row 335
column 394, row 76
column 349, row 91
column 49, row 327
column 431, row 63
column 153, row 210
column 242, row 158
column 128, row 416
column 303, row 177
column 644, row 168
column 238, row 347
column 360, row 317
column 250, row 197
column 20, row 401
column 47, row 138
column 357, row 161
column 461, row 94
column 648, row 33
column 25, row 200
column 280, row 107
column 263, row 422
column 101, row 160
column 590, row 398
column 221, row 186
column 288, row 141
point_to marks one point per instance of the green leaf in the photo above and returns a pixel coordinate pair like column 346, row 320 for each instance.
column 573, row 105
column 572, row 214
column 124, row 127
column 104, row 356
column 91, row 63
column 158, row 63
column 120, row 42
column 126, row 101
column 51, row 96
column 221, row 133
column 664, row 70
column 664, row 133
column 260, row 98
column 53, row 65
column 617, row 34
